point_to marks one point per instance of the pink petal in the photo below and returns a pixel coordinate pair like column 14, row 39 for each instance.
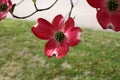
column 97, row 3
column 1, row 1
column 3, row 14
column 44, row 30
column 57, row 22
column 10, row 5
column 50, row 47
column 73, row 36
column 59, row 49
column 103, row 17
column 69, row 24
column 62, row 50
column 115, row 19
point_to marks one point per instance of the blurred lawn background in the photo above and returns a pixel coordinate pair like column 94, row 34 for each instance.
column 22, row 57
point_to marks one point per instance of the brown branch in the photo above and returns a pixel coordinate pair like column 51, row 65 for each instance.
column 37, row 10
column 72, row 6
column 35, row 6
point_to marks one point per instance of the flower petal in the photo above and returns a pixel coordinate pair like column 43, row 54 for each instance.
column 62, row 50
column 44, row 30
column 50, row 47
column 10, row 5
column 2, row 15
column 73, row 36
column 59, row 49
column 103, row 17
column 97, row 3
column 57, row 22
column 69, row 24
column 115, row 19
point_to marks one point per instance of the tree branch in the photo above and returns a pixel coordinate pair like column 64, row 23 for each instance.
column 37, row 10
column 72, row 5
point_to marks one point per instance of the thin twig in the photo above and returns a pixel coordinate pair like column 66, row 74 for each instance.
column 35, row 6
column 37, row 10
column 19, row 2
column 72, row 5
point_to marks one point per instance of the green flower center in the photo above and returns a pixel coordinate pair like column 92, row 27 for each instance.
column 3, row 7
column 112, row 5
column 59, row 36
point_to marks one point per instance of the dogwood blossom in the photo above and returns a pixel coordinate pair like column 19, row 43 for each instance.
column 5, row 6
column 60, row 35
column 108, row 13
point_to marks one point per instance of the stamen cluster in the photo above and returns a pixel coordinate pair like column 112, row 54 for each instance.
column 59, row 36
column 112, row 5
column 3, row 7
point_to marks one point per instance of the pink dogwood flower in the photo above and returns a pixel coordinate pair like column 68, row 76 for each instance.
column 5, row 6
column 108, row 13
column 60, row 35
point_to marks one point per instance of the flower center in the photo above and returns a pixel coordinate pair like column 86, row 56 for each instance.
column 112, row 5
column 59, row 36
column 3, row 7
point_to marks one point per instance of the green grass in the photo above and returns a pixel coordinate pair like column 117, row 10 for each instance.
column 22, row 57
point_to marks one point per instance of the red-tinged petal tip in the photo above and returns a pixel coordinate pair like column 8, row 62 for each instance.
column 103, row 17
column 56, row 49
column 62, row 50
column 73, row 36
column 115, row 20
column 50, row 48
